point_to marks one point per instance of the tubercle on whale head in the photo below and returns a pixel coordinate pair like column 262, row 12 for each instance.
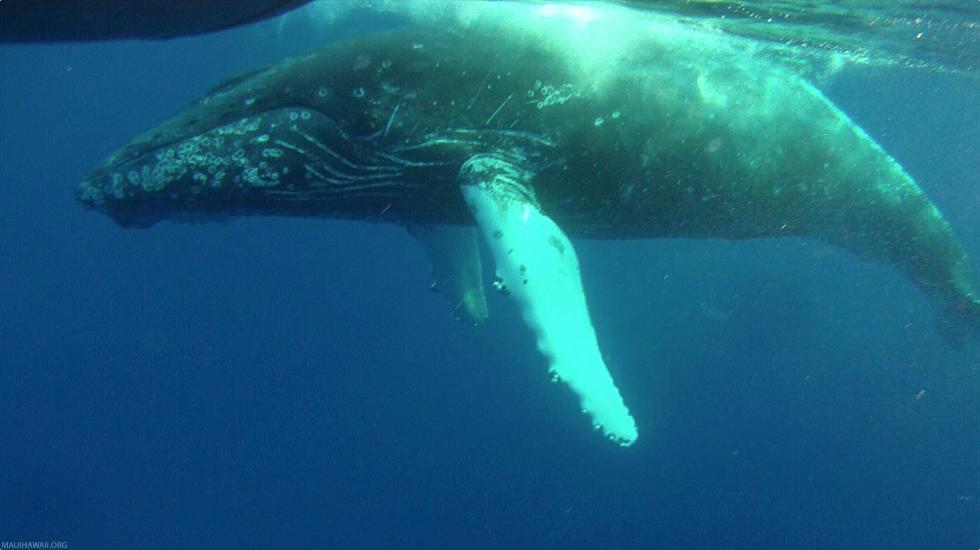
column 252, row 144
column 281, row 161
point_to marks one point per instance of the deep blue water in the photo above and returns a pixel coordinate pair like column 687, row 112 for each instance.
column 280, row 382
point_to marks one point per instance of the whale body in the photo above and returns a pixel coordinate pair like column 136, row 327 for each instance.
column 531, row 127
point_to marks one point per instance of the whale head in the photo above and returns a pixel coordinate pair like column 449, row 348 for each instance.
column 295, row 138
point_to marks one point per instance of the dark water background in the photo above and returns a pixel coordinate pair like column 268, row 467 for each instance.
column 277, row 383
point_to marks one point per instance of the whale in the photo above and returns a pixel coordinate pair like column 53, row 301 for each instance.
column 527, row 127
column 49, row 21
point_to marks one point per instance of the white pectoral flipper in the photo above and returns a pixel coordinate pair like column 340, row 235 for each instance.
column 537, row 266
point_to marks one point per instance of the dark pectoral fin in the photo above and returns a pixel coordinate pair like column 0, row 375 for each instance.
column 457, row 272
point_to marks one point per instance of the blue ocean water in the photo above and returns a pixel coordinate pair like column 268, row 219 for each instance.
column 281, row 382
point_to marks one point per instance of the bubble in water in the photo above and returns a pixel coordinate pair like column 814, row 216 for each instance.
column 358, row 92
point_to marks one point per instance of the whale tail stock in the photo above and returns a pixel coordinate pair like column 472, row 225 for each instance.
column 876, row 209
column 932, row 257
column 959, row 324
column 951, row 282
column 958, row 318
column 912, row 235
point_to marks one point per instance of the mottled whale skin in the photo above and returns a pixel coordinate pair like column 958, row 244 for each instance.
column 620, row 133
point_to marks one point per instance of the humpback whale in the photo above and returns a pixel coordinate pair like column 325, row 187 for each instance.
column 529, row 126
column 87, row 20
